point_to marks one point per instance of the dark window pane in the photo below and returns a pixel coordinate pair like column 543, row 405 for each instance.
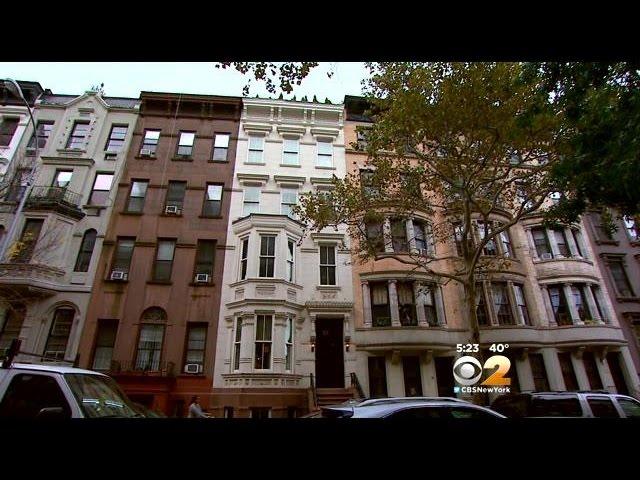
column 555, row 407
column 59, row 334
column 602, row 407
column 105, row 340
column 27, row 394
column 86, row 251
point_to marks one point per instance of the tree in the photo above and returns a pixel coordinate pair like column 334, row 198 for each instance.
column 469, row 144
column 283, row 75
column 600, row 107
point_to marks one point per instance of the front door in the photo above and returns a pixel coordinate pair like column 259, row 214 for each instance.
column 329, row 353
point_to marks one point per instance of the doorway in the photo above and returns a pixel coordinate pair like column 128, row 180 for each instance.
column 329, row 353
column 412, row 380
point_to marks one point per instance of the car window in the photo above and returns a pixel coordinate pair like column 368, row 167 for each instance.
column 602, row 407
column 631, row 408
column 555, row 407
column 100, row 396
column 461, row 412
column 511, row 406
column 419, row 413
column 28, row 394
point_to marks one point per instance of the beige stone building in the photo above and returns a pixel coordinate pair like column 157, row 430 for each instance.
column 550, row 306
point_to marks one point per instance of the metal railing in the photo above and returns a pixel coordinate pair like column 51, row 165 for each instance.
column 43, row 194
column 314, row 393
column 355, row 383
column 149, row 367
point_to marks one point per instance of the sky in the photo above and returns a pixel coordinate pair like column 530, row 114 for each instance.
column 128, row 79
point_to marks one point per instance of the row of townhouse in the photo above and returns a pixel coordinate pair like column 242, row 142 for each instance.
column 157, row 245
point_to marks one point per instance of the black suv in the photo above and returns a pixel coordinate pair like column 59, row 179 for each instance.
column 598, row 404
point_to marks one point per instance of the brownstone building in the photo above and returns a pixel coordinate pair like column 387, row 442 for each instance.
column 153, row 317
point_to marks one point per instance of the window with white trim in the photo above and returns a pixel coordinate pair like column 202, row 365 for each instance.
column 256, row 149
column 291, row 151
column 521, row 304
column 185, row 144
column 632, row 228
column 325, row 153
column 244, row 258
column 59, row 334
column 251, row 201
column 150, row 142
column 290, row 259
column 263, row 342
column 289, row 198
column 267, row 255
column 221, row 146
column 288, row 344
column 237, row 343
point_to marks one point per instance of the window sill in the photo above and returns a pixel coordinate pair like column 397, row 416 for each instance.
column 607, row 242
column 171, row 215
column 255, row 163
column 159, row 282
column 328, row 287
column 108, row 280
column 218, row 161
column 97, row 207
column 211, row 216
column 134, row 214
column 325, row 168
column 145, row 157
column 182, row 159
column 290, row 165
column 628, row 299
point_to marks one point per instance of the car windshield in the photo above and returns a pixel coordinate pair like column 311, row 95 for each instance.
column 99, row 396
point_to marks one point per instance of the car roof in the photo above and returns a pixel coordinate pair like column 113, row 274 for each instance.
column 52, row 368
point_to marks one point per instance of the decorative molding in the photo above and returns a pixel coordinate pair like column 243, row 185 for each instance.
column 247, row 178
column 292, row 129
column 254, row 127
column 289, row 179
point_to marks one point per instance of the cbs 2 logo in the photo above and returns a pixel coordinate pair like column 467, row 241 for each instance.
column 467, row 370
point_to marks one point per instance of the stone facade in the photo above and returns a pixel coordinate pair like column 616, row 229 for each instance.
column 276, row 301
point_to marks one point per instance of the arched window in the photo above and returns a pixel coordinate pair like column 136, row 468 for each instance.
column 151, row 337
column 59, row 333
column 86, row 250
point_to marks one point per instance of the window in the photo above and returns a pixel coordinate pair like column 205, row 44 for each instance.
column 561, row 242
column 602, row 407
column 632, row 229
column 164, row 260
column 507, row 247
column 427, row 293
column 411, row 374
column 290, row 151
column 490, row 247
column 406, row 304
column 256, row 149
column 196, row 344
column 10, row 329
column 481, row 306
column 78, row 137
column 543, row 249
column 399, row 235
column 28, row 394
column 361, row 138
column 237, row 344
column 501, row 304
column 137, row 194
column 221, row 146
column 568, row 373
column 116, row 138
column 263, row 342
column 212, row 201
column 288, row 344
column 260, row 412
column 559, row 305
column 325, row 153
column 327, row 265
column 620, row 279
column 419, row 236
column 43, row 130
column 101, row 188
column 458, row 231
column 59, row 334
column 149, row 347
column 7, row 129
column 86, row 251
column 150, row 142
column 518, row 291
column 367, row 183
column 377, row 377
column 577, row 239
column 205, row 257
column 19, row 184
column 290, row 259
column 631, row 408
column 603, row 232
column 555, row 407
column 539, row 372
column 251, row 200
column 375, row 237
column 590, row 366
column 615, row 362
column 105, row 340
column 580, row 302
column 289, row 198
column 267, row 255
column 62, row 178
column 380, row 311
column 123, row 254
column 596, row 296
column 243, row 258
column 185, row 144
column 175, row 196
column 28, row 240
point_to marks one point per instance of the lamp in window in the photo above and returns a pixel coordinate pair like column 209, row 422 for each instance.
column 347, row 343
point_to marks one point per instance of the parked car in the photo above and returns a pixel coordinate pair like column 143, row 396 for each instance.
column 147, row 412
column 583, row 404
column 50, row 391
column 442, row 408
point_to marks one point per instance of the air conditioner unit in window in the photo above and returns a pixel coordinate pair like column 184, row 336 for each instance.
column 146, row 152
column 172, row 210
column 192, row 368
column 118, row 275
column 546, row 256
column 202, row 278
